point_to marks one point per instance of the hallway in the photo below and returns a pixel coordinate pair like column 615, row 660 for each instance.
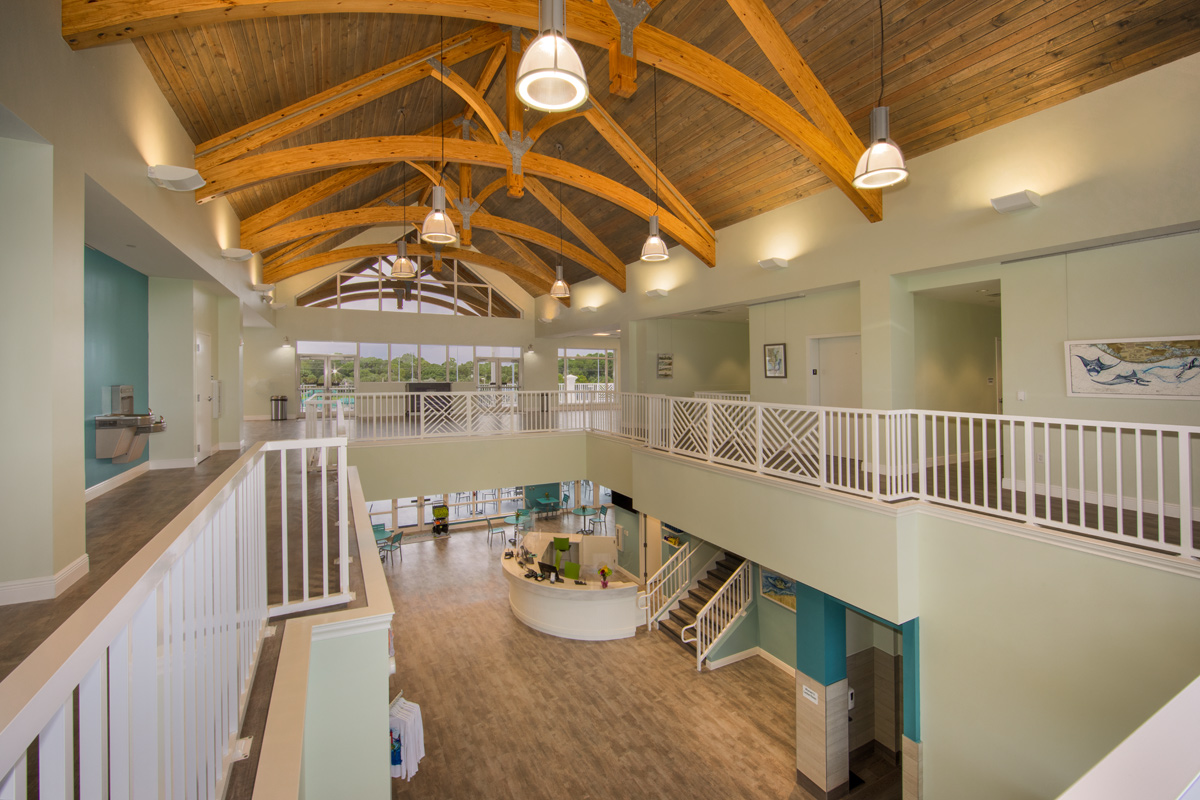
column 510, row 712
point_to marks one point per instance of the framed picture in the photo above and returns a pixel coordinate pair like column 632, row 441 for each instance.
column 666, row 365
column 1151, row 369
column 777, row 588
column 776, row 360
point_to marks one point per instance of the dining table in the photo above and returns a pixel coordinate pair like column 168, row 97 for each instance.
column 583, row 512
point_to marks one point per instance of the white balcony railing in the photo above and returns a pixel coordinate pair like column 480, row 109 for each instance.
column 736, row 397
column 664, row 587
column 161, row 657
column 1124, row 482
column 720, row 613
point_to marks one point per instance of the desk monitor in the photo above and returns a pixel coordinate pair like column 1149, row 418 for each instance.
column 546, row 569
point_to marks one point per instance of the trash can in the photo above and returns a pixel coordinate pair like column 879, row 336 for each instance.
column 279, row 406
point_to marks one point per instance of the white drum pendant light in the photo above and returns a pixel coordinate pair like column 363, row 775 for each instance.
column 550, row 76
column 883, row 163
column 438, row 228
column 560, row 288
column 403, row 266
column 655, row 249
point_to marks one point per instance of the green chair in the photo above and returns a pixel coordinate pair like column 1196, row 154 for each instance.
column 570, row 571
column 561, row 545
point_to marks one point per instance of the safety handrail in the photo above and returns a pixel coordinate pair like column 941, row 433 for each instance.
column 665, row 586
column 720, row 612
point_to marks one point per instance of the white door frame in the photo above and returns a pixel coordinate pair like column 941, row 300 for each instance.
column 813, row 345
column 202, row 378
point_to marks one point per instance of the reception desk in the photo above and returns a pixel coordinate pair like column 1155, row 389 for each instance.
column 567, row 610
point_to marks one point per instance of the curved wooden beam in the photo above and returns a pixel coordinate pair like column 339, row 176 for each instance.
column 550, row 120
column 251, row 170
column 523, row 275
column 366, row 217
column 472, row 97
column 87, row 23
column 491, row 188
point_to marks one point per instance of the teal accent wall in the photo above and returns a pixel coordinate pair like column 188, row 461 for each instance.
column 116, row 349
column 537, row 491
column 820, row 635
column 911, row 631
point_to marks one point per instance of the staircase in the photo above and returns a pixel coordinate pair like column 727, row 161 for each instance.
column 691, row 605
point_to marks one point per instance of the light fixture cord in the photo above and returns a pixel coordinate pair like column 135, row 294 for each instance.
column 656, row 137
column 880, row 53
column 442, row 90
column 403, row 180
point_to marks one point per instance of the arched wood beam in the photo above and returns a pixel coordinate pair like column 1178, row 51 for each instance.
column 254, row 169
column 491, row 188
column 314, row 194
column 365, row 217
column 645, row 168
column 516, row 271
column 87, row 23
column 550, row 120
column 345, row 97
column 545, row 196
column 473, row 98
column 431, row 295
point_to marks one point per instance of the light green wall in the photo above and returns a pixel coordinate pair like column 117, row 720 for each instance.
column 955, row 354
column 407, row 470
column 229, row 370
column 346, row 746
column 776, row 625
column 792, row 322
column 613, row 460
column 1036, row 660
column 744, row 636
column 630, row 554
column 172, row 346
column 708, row 356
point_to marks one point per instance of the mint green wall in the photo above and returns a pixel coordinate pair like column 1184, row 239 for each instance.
column 955, row 354
column 776, row 626
column 116, row 349
column 745, row 636
column 708, row 356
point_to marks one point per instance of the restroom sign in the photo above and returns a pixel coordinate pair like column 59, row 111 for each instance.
column 810, row 695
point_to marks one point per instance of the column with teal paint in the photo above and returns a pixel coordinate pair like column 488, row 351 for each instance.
column 910, row 762
column 822, row 713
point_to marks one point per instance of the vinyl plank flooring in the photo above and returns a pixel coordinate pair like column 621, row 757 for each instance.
column 511, row 712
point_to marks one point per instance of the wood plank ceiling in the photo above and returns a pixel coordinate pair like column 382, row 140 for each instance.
column 952, row 68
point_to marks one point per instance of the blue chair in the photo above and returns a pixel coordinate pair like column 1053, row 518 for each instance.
column 601, row 519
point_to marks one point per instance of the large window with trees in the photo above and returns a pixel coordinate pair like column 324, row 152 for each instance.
column 330, row 366
column 592, row 369
column 443, row 287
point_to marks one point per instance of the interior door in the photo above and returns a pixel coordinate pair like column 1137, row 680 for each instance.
column 202, row 378
column 651, row 546
column 839, row 371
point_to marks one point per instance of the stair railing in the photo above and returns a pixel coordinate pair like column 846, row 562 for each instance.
column 718, row 615
column 665, row 586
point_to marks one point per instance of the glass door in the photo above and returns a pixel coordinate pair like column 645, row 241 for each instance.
column 498, row 374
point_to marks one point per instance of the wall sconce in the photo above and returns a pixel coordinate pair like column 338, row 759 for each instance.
column 236, row 254
column 287, row 342
column 529, row 348
column 177, row 179
column 545, row 320
column 656, row 293
column 589, row 309
column 1018, row 201
column 773, row 264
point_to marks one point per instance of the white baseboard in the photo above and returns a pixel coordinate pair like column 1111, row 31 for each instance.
column 173, row 463
column 1090, row 496
column 750, row 653
column 232, row 445
column 622, row 571
column 27, row 590
column 92, row 492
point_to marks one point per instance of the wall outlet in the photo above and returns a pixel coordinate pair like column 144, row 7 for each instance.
column 851, row 699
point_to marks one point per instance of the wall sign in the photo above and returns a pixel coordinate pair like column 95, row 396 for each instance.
column 809, row 694
column 666, row 365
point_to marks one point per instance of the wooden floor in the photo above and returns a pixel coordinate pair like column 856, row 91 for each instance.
column 511, row 712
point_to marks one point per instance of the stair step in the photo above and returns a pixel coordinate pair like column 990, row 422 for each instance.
column 674, row 630
column 701, row 595
column 682, row 616
column 720, row 573
column 729, row 564
column 712, row 584
column 693, row 605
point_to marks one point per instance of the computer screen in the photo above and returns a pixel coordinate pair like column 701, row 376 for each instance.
column 546, row 569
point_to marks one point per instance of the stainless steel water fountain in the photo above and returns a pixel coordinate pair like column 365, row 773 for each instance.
column 120, row 431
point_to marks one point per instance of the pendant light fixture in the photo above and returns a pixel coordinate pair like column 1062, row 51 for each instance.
column 560, row 288
column 438, row 228
column 550, row 76
column 655, row 249
column 403, row 266
column 883, row 163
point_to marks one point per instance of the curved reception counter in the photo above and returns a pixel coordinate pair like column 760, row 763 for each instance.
column 567, row 610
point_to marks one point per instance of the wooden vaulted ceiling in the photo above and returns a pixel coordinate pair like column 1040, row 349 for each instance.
column 296, row 112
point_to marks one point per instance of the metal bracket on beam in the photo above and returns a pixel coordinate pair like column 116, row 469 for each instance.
column 516, row 38
column 438, row 65
column 518, row 144
column 466, row 208
column 629, row 16
column 467, row 126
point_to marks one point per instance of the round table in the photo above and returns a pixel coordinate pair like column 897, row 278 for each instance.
column 584, row 512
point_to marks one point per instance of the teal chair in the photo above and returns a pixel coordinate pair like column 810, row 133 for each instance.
column 561, row 545
column 391, row 545
column 492, row 530
column 570, row 571
column 601, row 520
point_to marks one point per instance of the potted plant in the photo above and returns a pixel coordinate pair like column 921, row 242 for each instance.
column 604, row 571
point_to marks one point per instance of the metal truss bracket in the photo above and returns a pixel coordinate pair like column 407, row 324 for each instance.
column 466, row 208
column 518, row 144
column 629, row 16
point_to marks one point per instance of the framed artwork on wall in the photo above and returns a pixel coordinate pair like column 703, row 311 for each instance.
column 777, row 588
column 666, row 365
column 775, row 356
column 1151, row 369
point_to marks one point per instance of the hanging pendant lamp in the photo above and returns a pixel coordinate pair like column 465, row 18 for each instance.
column 403, row 266
column 560, row 288
column 550, row 76
column 438, row 228
column 883, row 163
column 655, row 249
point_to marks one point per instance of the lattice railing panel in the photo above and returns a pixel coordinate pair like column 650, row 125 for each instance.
column 735, row 433
column 445, row 414
column 689, row 428
column 791, row 443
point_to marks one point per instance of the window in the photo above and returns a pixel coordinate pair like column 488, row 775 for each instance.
column 443, row 287
column 590, row 369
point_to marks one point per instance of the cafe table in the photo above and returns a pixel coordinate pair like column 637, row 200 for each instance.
column 584, row 512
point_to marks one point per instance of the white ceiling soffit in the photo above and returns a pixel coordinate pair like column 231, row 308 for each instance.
column 111, row 228
column 983, row 293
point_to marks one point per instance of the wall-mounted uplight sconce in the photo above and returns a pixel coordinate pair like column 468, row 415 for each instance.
column 656, row 293
column 529, row 348
column 236, row 254
column 177, row 179
column 287, row 342
column 1017, row 201
column 545, row 320
column 773, row 264
column 590, row 309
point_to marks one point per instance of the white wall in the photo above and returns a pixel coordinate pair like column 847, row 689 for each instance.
column 955, row 355
column 707, row 356
column 172, row 354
